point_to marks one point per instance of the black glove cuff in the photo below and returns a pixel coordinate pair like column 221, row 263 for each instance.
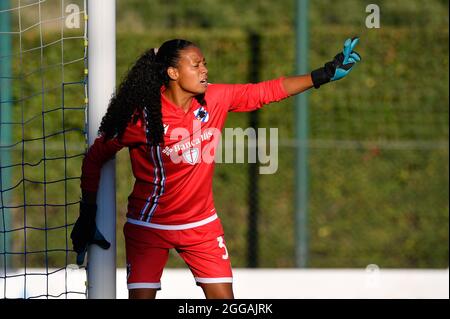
column 88, row 210
column 320, row 77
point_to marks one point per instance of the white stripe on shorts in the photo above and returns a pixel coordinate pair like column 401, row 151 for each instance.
column 213, row 280
column 152, row 285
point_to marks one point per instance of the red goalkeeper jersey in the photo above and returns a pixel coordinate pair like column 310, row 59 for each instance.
column 173, row 182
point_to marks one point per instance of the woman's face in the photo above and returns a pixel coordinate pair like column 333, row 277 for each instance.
column 191, row 74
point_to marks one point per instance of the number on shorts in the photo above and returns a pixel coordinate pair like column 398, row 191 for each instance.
column 222, row 245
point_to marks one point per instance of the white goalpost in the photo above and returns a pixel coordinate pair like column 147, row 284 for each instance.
column 102, row 77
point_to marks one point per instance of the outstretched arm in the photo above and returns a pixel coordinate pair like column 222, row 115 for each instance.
column 334, row 70
column 297, row 84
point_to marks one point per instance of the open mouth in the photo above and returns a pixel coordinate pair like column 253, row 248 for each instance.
column 204, row 82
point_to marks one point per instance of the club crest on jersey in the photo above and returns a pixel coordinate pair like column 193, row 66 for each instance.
column 191, row 155
column 201, row 114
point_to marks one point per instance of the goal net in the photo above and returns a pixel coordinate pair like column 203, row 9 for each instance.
column 43, row 99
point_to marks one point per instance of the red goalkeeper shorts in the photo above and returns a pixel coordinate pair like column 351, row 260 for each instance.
column 202, row 248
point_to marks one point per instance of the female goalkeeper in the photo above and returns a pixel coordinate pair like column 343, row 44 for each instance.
column 170, row 118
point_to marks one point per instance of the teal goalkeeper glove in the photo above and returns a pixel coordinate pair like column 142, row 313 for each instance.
column 341, row 65
column 85, row 232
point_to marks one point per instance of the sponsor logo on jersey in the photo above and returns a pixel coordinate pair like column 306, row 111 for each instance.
column 183, row 146
column 201, row 114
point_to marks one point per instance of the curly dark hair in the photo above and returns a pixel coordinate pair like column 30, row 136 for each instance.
column 140, row 93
